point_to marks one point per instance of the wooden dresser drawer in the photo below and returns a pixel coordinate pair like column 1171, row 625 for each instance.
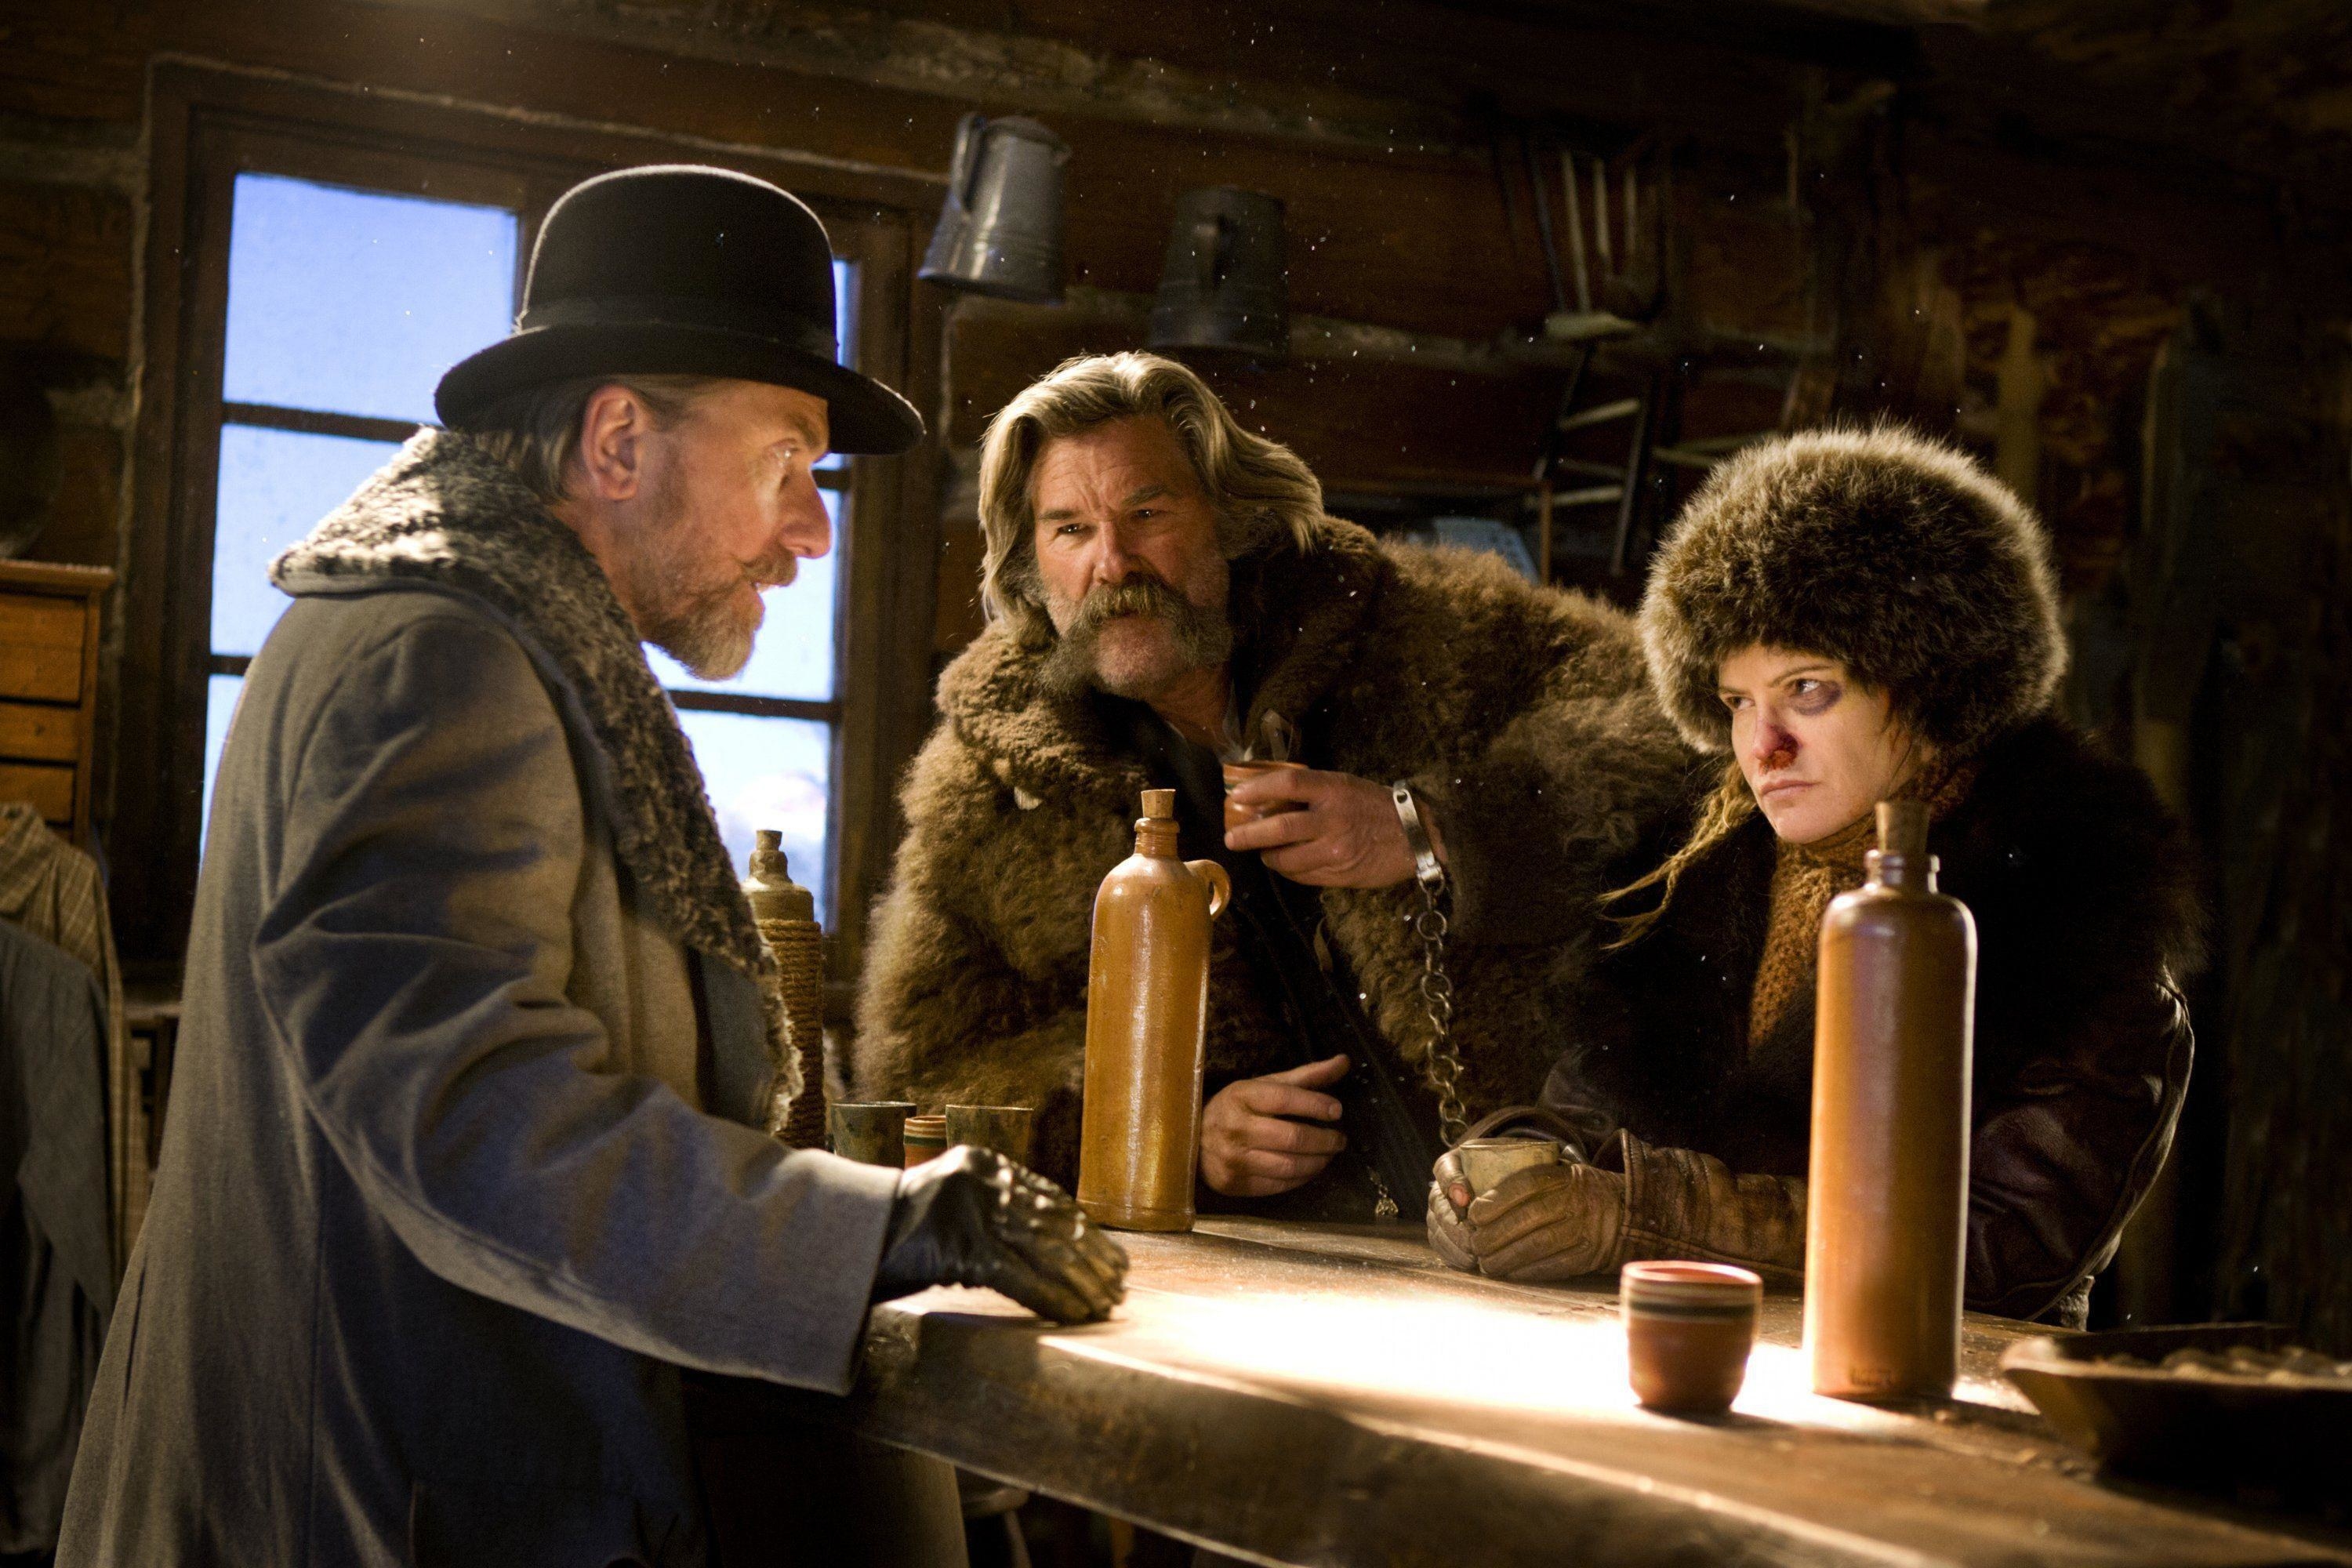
column 51, row 790
column 30, row 731
column 41, row 648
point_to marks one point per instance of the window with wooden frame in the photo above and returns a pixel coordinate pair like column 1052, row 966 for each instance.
column 336, row 253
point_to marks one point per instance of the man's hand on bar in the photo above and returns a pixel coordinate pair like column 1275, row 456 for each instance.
column 973, row 1218
column 1341, row 831
column 1250, row 1147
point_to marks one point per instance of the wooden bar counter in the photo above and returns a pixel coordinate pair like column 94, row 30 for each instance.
column 1335, row 1395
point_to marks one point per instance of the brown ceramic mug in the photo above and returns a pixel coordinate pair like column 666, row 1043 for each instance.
column 1004, row 1128
column 1241, row 773
column 1688, row 1330
column 926, row 1138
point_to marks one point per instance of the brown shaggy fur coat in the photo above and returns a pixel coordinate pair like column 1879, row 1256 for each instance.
column 1521, row 716
column 2083, row 889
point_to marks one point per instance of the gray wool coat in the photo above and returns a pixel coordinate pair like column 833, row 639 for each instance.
column 438, row 1220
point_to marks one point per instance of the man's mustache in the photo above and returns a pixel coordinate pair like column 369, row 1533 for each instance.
column 1135, row 597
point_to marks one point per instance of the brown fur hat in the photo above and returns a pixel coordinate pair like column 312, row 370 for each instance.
column 1893, row 553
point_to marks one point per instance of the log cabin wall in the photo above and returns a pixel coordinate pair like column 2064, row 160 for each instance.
column 2101, row 244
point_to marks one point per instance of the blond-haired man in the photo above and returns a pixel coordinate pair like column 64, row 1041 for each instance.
column 1165, row 590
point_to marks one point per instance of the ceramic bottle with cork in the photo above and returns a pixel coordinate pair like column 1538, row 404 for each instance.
column 1888, row 1180
column 1147, row 1014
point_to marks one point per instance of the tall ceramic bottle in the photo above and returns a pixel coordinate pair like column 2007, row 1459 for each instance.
column 1147, row 1012
column 1888, row 1200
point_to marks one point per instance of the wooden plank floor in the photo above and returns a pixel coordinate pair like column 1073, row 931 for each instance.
column 1330, row 1395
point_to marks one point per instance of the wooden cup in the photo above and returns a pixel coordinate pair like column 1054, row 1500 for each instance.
column 872, row 1132
column 1688, row 1330
column 926, row 1138
column 1238, row 773
column 1007, row 1129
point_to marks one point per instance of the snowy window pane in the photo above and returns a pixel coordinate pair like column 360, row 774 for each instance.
column 355, row 301
column 274, row 485
column 220, row 703
column 769, row 772
column 844, row 285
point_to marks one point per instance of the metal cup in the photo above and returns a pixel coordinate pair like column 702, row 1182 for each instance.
column 1007, row 1129
column 872, row 1132
column 1239, row 772
column 1487, row 1161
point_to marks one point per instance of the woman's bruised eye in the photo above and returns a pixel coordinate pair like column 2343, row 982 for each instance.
column 1809, row 696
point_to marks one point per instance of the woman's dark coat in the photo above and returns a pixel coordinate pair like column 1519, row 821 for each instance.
column 2083, row 890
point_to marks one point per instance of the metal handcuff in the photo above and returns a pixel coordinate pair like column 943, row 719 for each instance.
column 1444, row 1067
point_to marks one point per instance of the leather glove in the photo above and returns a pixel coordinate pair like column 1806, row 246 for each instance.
column 1682, row 1204
column 1448, row 1224
column 973, row 1218
column 1562, row 1221
column 1576, row 1128
column 1555, row 1222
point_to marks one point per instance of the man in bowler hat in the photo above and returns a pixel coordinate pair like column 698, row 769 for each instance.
column 465, row 1164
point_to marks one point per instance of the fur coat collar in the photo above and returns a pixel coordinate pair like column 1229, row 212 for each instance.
column 1307, row 628
column 446, row 515
column 2084, row 894
column 2083, row 889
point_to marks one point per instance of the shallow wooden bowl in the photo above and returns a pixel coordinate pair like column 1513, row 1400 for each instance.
column 2288, row 1440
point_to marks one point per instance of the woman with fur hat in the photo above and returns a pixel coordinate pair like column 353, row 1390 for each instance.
column 1854, row 616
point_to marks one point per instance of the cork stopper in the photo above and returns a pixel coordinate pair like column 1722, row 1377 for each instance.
column 768, row 855
column 1902, row 828
column 773, row 895
column 1160, row 804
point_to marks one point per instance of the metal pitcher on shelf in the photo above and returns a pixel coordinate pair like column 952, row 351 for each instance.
column 1226, row 281
column 1001, row 231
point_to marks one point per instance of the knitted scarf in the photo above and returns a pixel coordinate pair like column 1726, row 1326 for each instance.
column 1806, row 877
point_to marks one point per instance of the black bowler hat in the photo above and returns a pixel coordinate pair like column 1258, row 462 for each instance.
column 681, row 271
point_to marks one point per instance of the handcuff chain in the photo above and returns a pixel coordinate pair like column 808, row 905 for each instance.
column 1444, row 1067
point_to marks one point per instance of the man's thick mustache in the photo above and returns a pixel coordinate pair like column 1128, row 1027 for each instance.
column 1136, row 597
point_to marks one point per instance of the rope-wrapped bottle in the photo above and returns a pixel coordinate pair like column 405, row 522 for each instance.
column 1888, row 1182
column 785, row 914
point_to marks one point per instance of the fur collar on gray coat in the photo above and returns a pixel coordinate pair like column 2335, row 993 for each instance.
column 446, row 514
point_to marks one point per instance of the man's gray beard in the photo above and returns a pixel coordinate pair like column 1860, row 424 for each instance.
column 701, row 634
column 1204, row 637
column 691, row 622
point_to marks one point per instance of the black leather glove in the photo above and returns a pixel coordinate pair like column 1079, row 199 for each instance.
column 973, row 1218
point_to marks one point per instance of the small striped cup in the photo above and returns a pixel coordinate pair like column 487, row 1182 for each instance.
column 926, row 1138
column 1688, row 1330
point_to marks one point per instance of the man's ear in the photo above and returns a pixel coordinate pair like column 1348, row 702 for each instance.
column 613, row 447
